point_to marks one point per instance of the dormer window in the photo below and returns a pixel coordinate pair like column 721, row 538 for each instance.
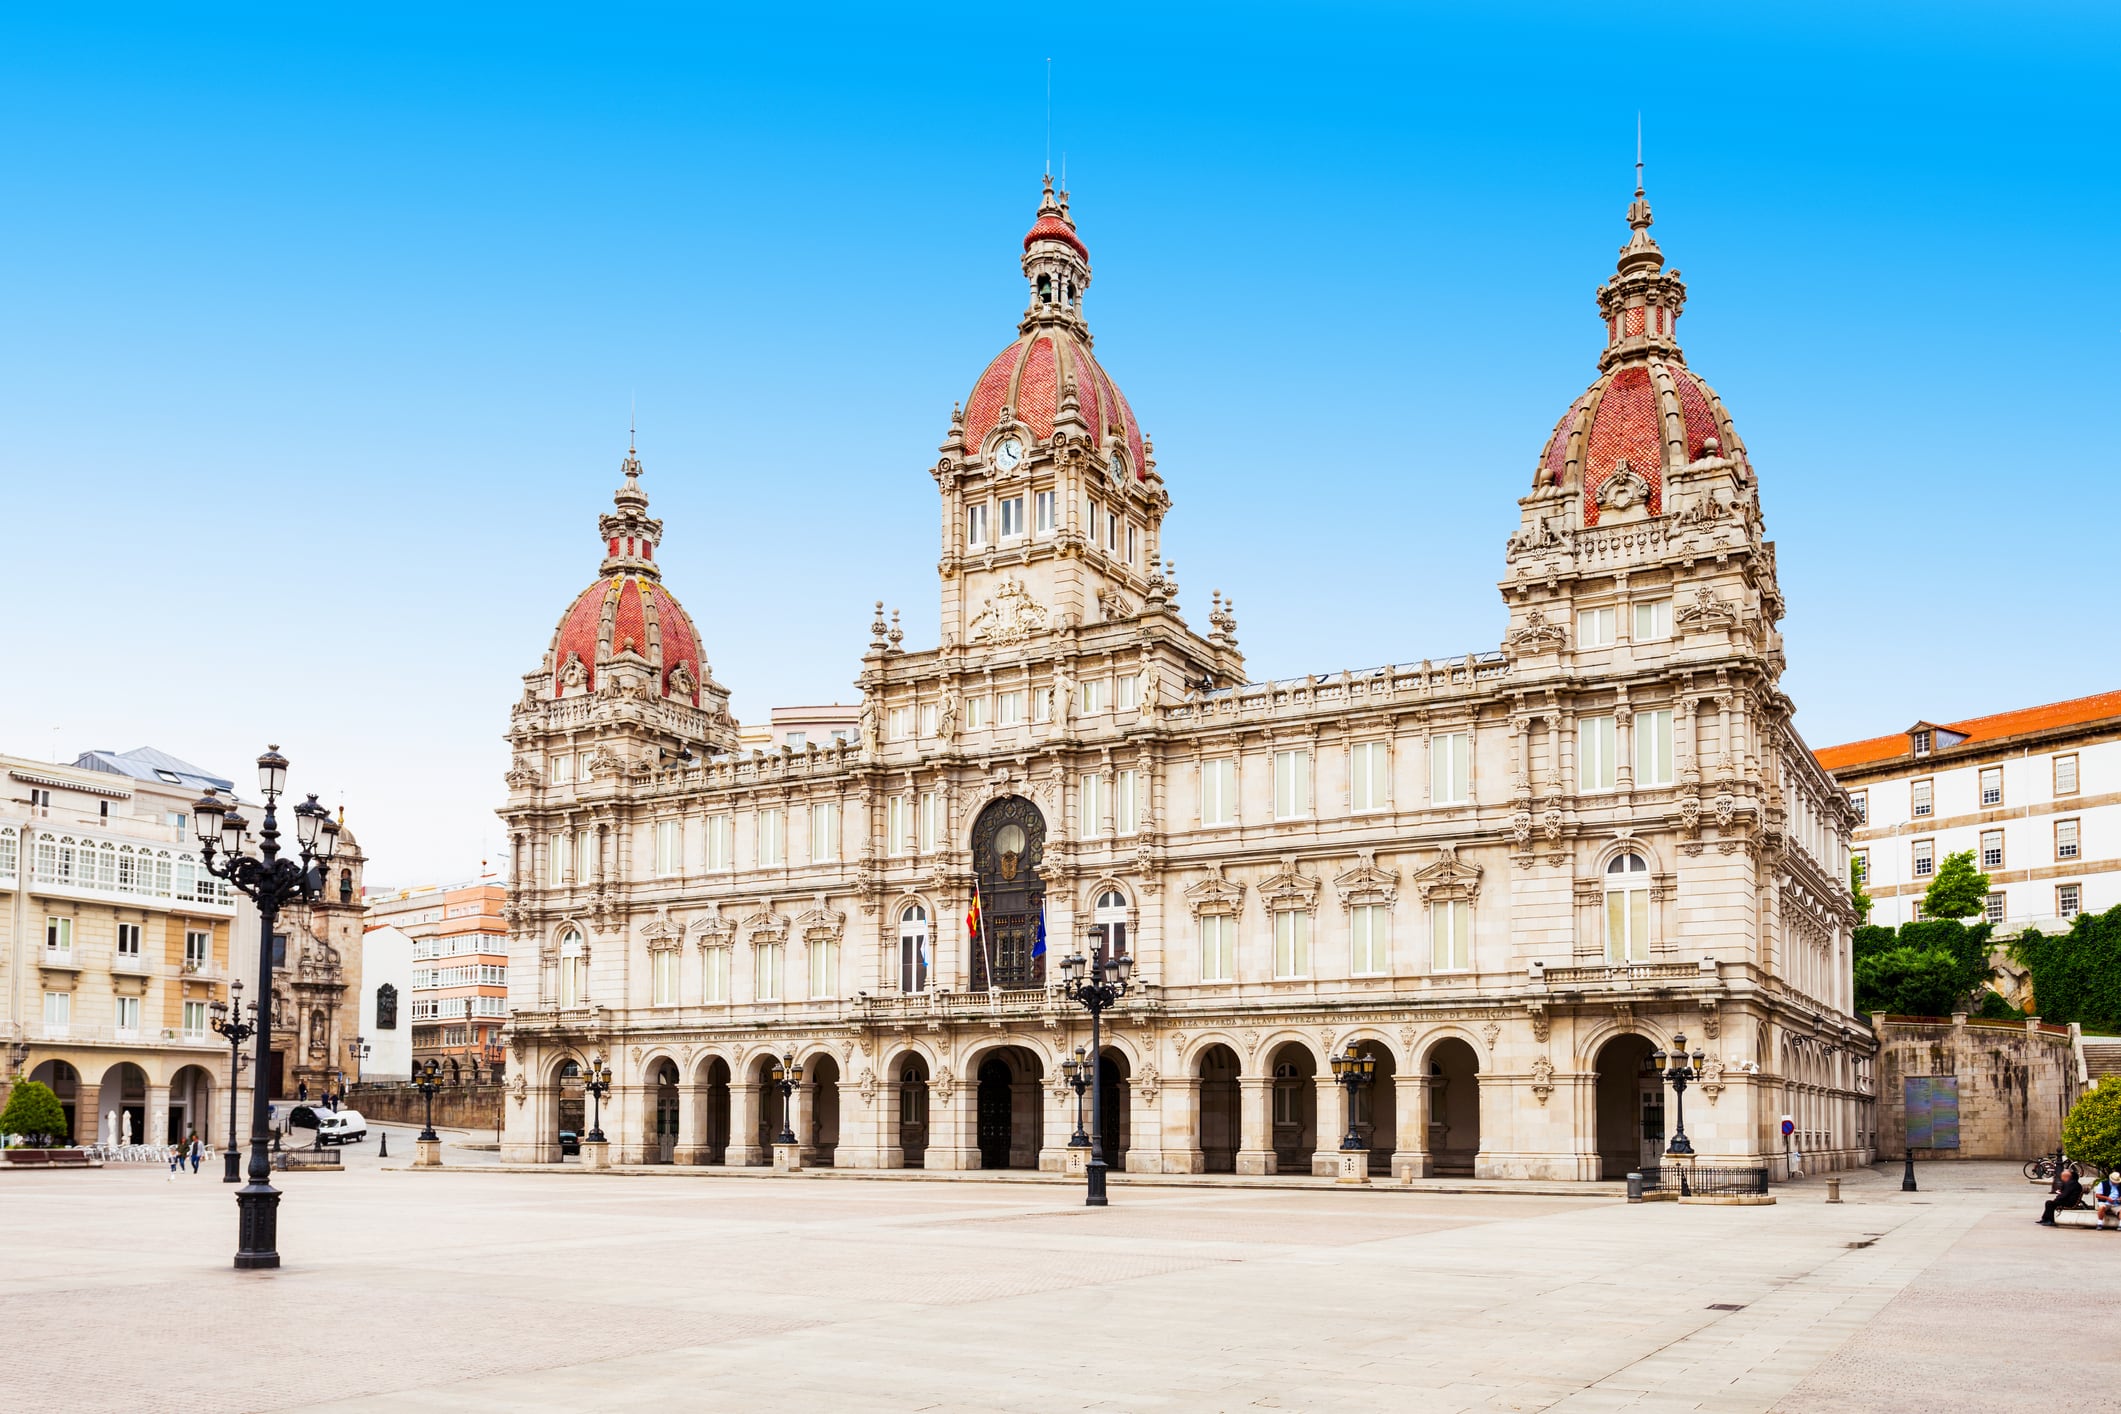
column 1922, row 741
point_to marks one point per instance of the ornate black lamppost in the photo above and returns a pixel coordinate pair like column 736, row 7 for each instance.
column 597, row 1081
column 357, row 1050
column 428, row 1079
column 1077, row 1069
column 788, row 1074
column 1682, row 1070
column 1353, row 1070
column 1097, row 984
column 228, row 1020
column 274, row 883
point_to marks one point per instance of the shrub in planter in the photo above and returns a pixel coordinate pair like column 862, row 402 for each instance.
column 34, row 1112
column 2092, row 1132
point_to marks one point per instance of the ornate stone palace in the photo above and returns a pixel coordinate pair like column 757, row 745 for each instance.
column 1506, row 875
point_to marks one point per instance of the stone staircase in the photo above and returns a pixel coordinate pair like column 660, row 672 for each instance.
column 2102, row 1057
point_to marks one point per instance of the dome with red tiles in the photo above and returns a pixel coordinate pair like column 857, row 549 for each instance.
column 628, row 618
column 1648, row 413
column 1050, row 367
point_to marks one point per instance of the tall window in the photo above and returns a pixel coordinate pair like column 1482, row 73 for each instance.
column 1450, row 768
column 975, row 713
column 1130, row 691
column 129, row 941
column 930, row 718
column 194, row 1020
column 721, row 847
column 562, row 769
column 1861, row 799
column 1218, row 792
column 574, row 979
column 1108, row 924
column 1991, row 785
column 1594, row 754
column 898, row 824
column 1092, row 695
column 824, row 967
column 585, row 856
column 669, row 848
column 1126, row 803
column 1093, row 805
column 1367, row 933
column 559, row 852
column 59, row 937
column 1370, row 775
column 1042, row 507
column 1653, row 620
column 931, row 821
column 899, row 723
column 666, row 977
column 58, row 1012
column 2065, row 839
column 1292, row 943
column 1218, row 947
column 1922, row 798
column 1008, row 708
column 1292, row 784
column 2069, row 902
column 1992, row 849
column 766, row 971
column 1627, row 909
column 1860, row 865
column 1595, row 628
column 975, row 526
column 913, row 948
column 198, row 949
column 772, row 839
column 1450, row 935
column 1012, row 517
column 1992, row 908
column 714, row 979
column 2066, row 775
column 1925, row 858
column 1653, row 748
column 127, row 1017
column 1041, row 704
column 824, row 831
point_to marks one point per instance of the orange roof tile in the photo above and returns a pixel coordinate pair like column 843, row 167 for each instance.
column 2075, row 712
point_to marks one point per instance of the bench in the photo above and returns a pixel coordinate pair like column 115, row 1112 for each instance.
column 2085, row 1215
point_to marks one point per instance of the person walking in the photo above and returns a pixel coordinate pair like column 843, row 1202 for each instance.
column 197, row 1151
column 2069, row 1193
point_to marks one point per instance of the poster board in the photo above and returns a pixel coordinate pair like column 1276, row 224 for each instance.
column 1932, row 1110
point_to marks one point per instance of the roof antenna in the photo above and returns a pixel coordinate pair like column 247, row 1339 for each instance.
column 1049, row 117
column 1638, row 152
column 631, row 418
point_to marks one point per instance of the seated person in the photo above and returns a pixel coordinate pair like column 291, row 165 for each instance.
column 2107, row 1197
column 2069, row 1193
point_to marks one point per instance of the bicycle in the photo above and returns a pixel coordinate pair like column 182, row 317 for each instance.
column 2047, row 1166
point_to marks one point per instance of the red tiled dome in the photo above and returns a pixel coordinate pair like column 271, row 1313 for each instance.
column 1057, row 228
column 1654, row 414
column 1028, row 376
column 633, row 614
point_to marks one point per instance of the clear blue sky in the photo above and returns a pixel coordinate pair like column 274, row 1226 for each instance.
column 349, row 306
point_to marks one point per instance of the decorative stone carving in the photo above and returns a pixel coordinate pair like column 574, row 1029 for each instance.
column 1289, row 888
column 1448, row 878
column 1113, row 605
column 869, row 1089
column 661, row 934
column 1215, row 894
column 944, row 1085
column 1251, row 1042
column 1489, row 1033
column 1542, row 1078
column 1712, row 1078
column 522, row 775
column 1542, row 1023
column 1521, row 829
column 1009, row 615
column 1535, row 634
column 1706, row 612
column 1148, row 1083
column 1624, row 489
column 1366, row 883
column 519, row 1088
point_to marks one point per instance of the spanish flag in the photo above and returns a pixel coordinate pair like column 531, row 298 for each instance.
column 972, row 914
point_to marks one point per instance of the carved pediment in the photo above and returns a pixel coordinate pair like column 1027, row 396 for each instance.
column 818, row 921
column 1288, row 888
column 1215, row 895
column 766, row 926
column 1535, row 634
column 522, row 775
column 1449, row 877
column 713, row 930
column 1705, row 611
column 661, row 933
column 1366, row 883
column 1624, row 490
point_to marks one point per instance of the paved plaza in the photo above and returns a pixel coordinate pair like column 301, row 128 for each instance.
column 485, row 1289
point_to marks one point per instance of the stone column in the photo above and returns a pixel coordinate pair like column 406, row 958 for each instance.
column 1411, row 1096
column 1330, row 1123
column 692, row 1123
column 157, row 1121
column 1181, row 1126
column 1059, row 1127
column 1145, row 1133
column 744, row 1150
column 953, row 1122
column 860, row 1136
column 1255, row 1152
column 626, row 1119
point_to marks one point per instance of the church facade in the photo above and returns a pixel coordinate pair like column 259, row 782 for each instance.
column 1507, row 876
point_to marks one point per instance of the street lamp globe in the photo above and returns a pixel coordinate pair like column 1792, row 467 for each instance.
column 327, row 841
column 272, row 773
column 233, row 828
column 206, row 813
column 308, row 816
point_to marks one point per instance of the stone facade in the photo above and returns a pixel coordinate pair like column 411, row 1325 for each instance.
column 1506, row 875
column 2017, row 1081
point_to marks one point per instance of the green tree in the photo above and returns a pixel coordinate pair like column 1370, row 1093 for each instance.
column 1858, row 895
column 2076, row 975
column 34, row 1111
column 1958, row 891
column 1909, row 982
column 2092, row 1133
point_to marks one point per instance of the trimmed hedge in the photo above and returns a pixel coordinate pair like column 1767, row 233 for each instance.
column 2092, row 1133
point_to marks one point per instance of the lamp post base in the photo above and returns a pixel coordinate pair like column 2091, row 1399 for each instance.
column 596, row 1155
column 427, row 1153
column 258, row 1227
column 1353, row 1166
column 1075, row 1160
column 231, row 1167
column 787, row 1158
column 1094, row 1197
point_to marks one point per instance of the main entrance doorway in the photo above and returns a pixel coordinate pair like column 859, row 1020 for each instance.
column 1008, row 842
column 1010, row 1126
column 1630, row 1107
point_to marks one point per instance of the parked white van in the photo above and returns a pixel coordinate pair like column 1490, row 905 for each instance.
column 345, row 1127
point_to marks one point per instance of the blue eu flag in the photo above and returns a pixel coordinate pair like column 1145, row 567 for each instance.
column 1038, row 947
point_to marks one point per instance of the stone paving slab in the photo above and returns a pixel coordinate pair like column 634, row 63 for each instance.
column 499, row 1290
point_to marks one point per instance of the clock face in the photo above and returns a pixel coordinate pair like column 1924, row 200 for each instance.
column 1118, row 468
column 1008, row 454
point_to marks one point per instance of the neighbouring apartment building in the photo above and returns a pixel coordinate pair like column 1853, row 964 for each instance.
column 115, row 942
column 459, row 1000
column 1506, row 876
column 798, row 728
column 2034, row 793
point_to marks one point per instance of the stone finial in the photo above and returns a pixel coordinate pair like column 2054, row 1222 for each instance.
column 878, row 628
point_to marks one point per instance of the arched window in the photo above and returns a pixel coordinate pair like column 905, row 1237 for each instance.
column 913, row 948
column 1108, row 924
column 574, row 970
column 346, row 886
column 913, row 1096
column 1627, row 909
